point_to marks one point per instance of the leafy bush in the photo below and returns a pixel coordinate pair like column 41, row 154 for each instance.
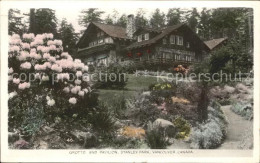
column 161, row 92
column 141, row 110
column 102, row 121
column 211, row 133
column 183, row 128
column 113, row 77
column 243, row 109
column 54, row 82
column 156, row 137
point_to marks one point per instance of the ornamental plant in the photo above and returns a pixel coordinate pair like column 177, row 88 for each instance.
column 42, row 75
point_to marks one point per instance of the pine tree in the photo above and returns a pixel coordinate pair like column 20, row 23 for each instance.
column 90, row 15
column 15, row 24
column 140, row 19
column 68, row 36
column 173, row 16
column 158, row 19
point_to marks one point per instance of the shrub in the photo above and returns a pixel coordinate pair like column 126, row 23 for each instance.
column 243, row 109
column 102, row 121
column 156, row 138
column 183, row 128
column 211, row 133
column 113, row 77
column 54, row 81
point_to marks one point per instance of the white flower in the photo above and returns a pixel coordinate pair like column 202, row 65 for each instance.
column 66, row 89
column 40, row 67
column 50, row 102
column 14, row 49
column 58, row 42
column 23, row 55
column 16, row 80
column 12, row 94
column 10, row 70
column 81, row 93
column 73, row 100
column 25, row 46
column 85, row 68
column 26, row 65
column 63, row 76
column 56, row 67
column 24, row 85
column 15, row 36
column 50, row 42
column 52, row 59
column 46, row 55
column 48, row 98
column 52, row 47
column 37, row 76
column 10, row 77
column 77, row 82
column 28, row 36
column 49, row 35
column 78, row 73
column 47, row 64
column 45, row 78
column 85, row 90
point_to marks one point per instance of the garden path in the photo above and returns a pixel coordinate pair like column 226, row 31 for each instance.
column 237, row 128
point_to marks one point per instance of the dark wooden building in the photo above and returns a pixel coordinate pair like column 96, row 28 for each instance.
column 168, row 46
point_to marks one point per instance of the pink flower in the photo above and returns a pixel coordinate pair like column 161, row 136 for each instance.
column 10, row 70
column 73, row 100
column 28, row 36
column 16, row 80
column 26, row 65
column 25, row 46
column 24, row 85
column 78, row 73
column 56, row 68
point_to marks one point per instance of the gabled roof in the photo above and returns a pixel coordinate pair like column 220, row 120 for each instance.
column 164, row 31
column 215, row 42
column 111, row 30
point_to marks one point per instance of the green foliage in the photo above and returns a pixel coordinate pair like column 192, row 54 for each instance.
column 113, row 77
column 211, row 133
column 90, row 15
column 44, row 21
column 183, row 128
column 245, row 110
column 15, row 24
column 158, row 19
column 33, row 118
column 102, row 121
column 156, row 138
column 68, row 36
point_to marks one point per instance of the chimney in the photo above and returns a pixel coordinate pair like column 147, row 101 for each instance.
column 130, row 26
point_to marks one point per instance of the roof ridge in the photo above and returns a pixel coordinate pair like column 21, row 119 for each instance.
column 107, row 24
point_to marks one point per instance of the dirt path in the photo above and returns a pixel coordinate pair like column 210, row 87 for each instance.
column 238, row 127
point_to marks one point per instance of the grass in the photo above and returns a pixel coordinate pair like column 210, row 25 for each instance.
column 135, row 85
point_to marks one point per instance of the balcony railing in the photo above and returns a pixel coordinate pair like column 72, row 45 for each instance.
column 94, row 49
column 163, row 61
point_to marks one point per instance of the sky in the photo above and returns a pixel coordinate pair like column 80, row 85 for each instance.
column 73, row 15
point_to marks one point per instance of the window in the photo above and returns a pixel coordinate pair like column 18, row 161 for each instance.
column 100, row 41
column 109, row 40
column 146, row 36
column 139, row 39
column 164, row 41
column 188, row 45
column 172, row 39
column 179, row 40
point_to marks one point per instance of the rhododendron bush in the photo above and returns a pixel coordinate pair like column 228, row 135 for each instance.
column 42, row 75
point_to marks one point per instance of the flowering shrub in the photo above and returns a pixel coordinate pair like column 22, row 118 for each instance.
column 181, row 69
column 41, row 73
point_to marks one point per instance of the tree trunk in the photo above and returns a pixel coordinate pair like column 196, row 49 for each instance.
column 202, row 108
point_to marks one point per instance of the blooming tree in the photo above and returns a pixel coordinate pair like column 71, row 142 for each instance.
column 41, row 73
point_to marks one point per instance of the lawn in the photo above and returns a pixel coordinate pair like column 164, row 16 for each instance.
column 135, row 85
